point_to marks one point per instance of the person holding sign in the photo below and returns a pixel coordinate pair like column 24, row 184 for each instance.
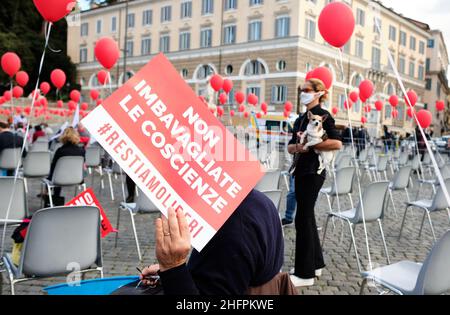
column 246, row 252
column 308, row 182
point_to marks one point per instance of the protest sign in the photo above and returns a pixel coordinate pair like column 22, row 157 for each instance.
column 88, row 198
column 177, row 152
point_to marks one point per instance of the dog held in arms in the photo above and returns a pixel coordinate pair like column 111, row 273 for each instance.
column 314, row 135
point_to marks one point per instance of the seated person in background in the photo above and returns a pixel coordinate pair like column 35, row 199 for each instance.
column 38, row 132
column 9, row 140
column 70, row 140
column 48, row 131
column 246, row 253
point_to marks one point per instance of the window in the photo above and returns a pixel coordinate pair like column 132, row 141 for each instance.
column 84, row 29
column 438, row 89
column 412, row 69
column 254, row 90
column 186, row 9
column 254, row 30
column 427, row 64
column 146, row 45
column 282, row 27
column 359, row 48
column 99, row 26
column 428, row 84
column 164, row 43
column 229, row 69
column 129, row 48
column 147, row 17
column 360, row 17
column 403, row 38
column 412, row 43
column 113, row 24
column 392, row 33
column 166, row 13
column 430, row 43
column 422, row 48
column 376, row 58
column 207, row 7
column 421, row 72
column 184, row 73
column 281, row 65
column 130, row 20
column 254, row 67
column 185, row 41
column 229, row 34
column 279, row 94
column 401, row 65
column 83, row 54
column 376, row 24
column 341, row 101
column 255, row 2
column 204, row 72
column 230, row 5
column 310, row 30
column 387, row 111
column 347, row 47
column 206, row 38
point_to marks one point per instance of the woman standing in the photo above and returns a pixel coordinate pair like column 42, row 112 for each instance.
column 308, row 252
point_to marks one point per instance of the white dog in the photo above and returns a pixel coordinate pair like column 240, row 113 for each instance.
column 313, row 136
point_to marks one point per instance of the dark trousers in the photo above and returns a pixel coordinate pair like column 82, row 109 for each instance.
column 131, row 187
column 308, row 251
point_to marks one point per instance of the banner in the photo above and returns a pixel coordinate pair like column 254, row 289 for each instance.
column 88, row 198
column 177, row 152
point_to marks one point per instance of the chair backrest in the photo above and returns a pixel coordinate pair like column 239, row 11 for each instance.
column 382, row 163
column 93, row 156
column 68, row 171
column 374, row 202
column 426, row 159
column 275, row 196
column 415, row 163
column 344, row 161
column 39, row 146
column 270, row 181
column 116, row 168
column 60, row 239
column 14, row 194
column 363, row 155
column 10, row 158
column 439, row 201
column 401, row 179
column 434, row 277
column 445, row 171
column 403, row 159
column 344, row 181
column 144, row 204
column 37, row 164
column 55, row 146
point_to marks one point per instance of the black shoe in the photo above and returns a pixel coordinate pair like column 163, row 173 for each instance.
column 130, row 199
column 286, row 222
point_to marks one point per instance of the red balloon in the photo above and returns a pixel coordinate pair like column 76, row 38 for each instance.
column 103, row 77
column 353, row 96
column 17, row 92
column 395, row 114
column 246, row 114
column 84, row 106
column 440, row 106
column 258, row 115
column 75, row 96
column 365, row 90
column 363, row 120
column 424, row 117
column 227, row 85
column 264, row 107
column 27, row 110
column 232, row 113
column 10, row 63
column 220, row 111
column 412, row 96
column 43, row 102
column 252, row 99
column 239, row 97
column 18, row 109
column 54, row 10
column 322, row 73
column 94, row 94
column 22, row 78
column 336, row 24
column 45, row 88
column 2, row 100
column 7, row 95
column 60, row 104
column 7, row 112
column 367, row 109
column 286, row 114
column 71, row 105
column 348, row 105
column 58, row 78
column 335, row 110
column 411, row 111
column 288, row 106
column 216, row 82
column 241, row 108
column 379, row 105
column 393, row 100
column 223, row 98
column 99, row 101
column 107, row 52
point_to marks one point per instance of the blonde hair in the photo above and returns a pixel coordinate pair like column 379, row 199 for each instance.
column 70, row 135
column 319, row 86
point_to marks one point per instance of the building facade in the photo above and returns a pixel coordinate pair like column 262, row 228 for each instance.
column 265, row 46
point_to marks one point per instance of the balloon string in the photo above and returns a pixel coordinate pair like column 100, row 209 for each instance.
column 356, row 162
column 16, row 173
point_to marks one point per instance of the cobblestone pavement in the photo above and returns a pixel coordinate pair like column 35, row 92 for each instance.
column 341, row 276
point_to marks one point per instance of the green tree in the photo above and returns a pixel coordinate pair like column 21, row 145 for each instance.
column 22, row 31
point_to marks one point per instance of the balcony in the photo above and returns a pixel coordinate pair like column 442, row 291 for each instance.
column 376, row 73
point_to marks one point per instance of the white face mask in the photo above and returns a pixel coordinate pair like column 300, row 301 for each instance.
column 308, row 98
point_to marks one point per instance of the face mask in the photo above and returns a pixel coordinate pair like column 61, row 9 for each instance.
column 308, row 98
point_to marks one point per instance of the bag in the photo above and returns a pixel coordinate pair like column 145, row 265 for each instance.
column 16, row 253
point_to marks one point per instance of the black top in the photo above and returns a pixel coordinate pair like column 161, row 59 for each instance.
column 247, row 251
column 67, row 149
column 9, row 140
column 308, row 163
